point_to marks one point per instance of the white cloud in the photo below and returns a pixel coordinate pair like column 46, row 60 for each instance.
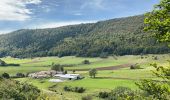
column 16, row 10
column 94, row 4
column 46, row 8
column 77, row 14
column 32, row 1
column 59, row 24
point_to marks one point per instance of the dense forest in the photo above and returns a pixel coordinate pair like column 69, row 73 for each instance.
column 120, row 36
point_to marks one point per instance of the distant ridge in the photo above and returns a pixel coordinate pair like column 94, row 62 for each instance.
column 120, row 36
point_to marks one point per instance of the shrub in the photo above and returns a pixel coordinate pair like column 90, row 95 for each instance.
column 86, row 62
column 75, row 89
column 79, row 89
column 67, row 88
column 103, row 94
column 135, row 66
column 20, row 75
column 122, row 93
column 155, row 58
column 74, row 71
column 88, row 97
column 65, row 72
column 5, row 75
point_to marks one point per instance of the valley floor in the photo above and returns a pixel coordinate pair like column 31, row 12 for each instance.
column 112, row 72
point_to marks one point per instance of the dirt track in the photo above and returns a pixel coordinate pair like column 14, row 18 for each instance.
column 108, row 68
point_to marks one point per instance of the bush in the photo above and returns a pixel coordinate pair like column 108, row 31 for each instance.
column 135, row 66
column 155, row 58
column 122, row 93
column 86, row 62
column 67, row 88
column 5, row 75
column 79, row 89
column 20, row 75
column 75, row 89
column 74, row 71
column 88, row 97
column 65, row 72
column 103, row 94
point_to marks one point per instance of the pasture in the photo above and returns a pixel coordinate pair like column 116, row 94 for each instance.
column 117, row 73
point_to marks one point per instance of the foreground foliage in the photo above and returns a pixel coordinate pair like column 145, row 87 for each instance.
column 158, row 89
column 158, row 21
column 13, row 90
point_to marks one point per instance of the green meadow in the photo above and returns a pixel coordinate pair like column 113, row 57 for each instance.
column 106, row 80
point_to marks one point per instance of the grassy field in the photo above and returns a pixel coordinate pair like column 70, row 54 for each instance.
column 106, row 79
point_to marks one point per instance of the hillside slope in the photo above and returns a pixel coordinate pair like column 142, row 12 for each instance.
column 119, row 36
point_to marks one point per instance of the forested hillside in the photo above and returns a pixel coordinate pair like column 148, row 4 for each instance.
column 119, row 36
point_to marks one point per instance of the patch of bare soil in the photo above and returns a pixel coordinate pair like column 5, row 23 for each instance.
column 109, row 67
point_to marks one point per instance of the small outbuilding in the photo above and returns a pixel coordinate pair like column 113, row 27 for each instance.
column 68, row 76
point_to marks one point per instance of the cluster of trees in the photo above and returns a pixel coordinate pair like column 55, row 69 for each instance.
column 14, row 90
column 60, row 68
column 57, row 67
column 119, row 36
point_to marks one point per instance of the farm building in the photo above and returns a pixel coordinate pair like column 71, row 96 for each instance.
column 68, row 76
column 43, row 74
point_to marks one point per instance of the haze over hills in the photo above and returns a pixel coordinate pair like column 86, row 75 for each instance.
column 120, row 36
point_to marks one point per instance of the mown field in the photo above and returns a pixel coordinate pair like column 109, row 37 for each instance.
column 118, row 73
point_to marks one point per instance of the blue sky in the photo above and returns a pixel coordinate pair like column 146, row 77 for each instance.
column 19, row 14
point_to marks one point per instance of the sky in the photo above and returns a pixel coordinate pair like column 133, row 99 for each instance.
column 35, row 14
